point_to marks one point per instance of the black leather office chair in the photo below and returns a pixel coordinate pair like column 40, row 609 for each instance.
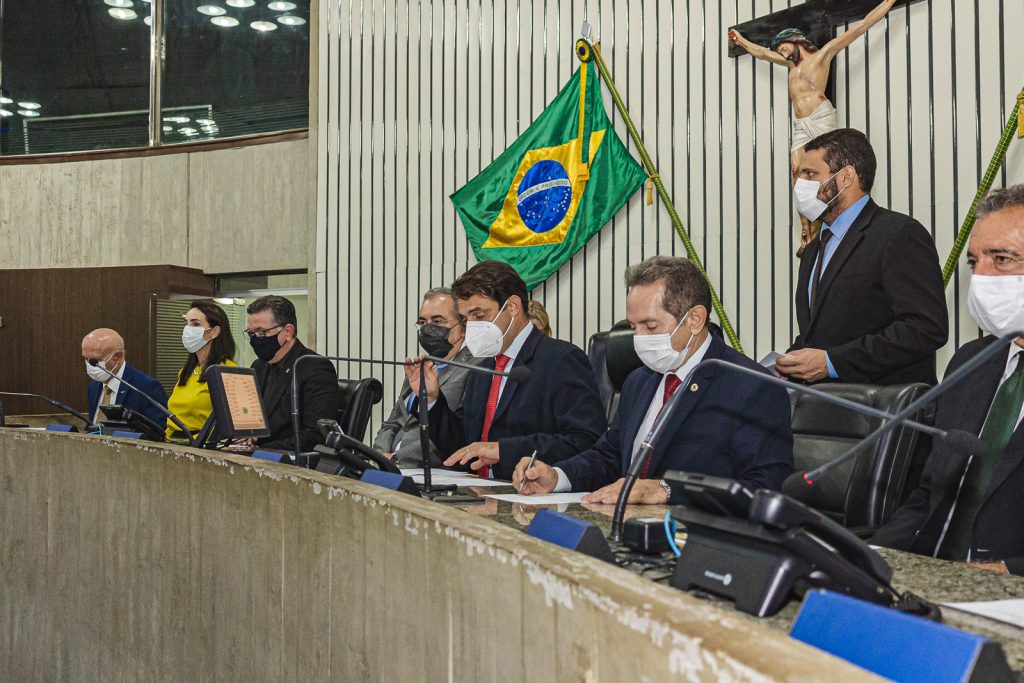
column 356, row 398
column 612, row 358
column 864, row 493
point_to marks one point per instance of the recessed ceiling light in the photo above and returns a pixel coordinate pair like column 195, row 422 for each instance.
column 282, row 5
column 177, row 119
column 167, row 129
column 241, row 3
column 263, row 26
column 29, row 105
column 122, row 13
column 226, row 22
column 119, row 3
column 4, row 112
column 187, row 131
column 290, row 20
column 211, row 10
column 6, row 100
column 28, row 112
column 147, row 20
column 205, row 122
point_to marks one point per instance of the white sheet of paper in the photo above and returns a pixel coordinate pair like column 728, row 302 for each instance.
column 1007, row 611
column 441, row 477
column 548, row 499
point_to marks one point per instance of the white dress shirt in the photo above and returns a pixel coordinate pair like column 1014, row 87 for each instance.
column 657, row 402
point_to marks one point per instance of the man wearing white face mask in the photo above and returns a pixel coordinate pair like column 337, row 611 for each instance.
column 870, row 305
column 726, row 424
column 107, row 348
column 973, row 510
column 557, row 413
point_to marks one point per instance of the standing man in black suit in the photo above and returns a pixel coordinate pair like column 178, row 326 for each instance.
column 558, row 412
column 869, row 299
column 725, row 425
column 973, row 509
column 271, row 329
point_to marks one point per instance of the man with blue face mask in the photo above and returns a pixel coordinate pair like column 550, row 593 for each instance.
column 726, row 424
column 973, row 509
column 870, row 305
column 558, row 412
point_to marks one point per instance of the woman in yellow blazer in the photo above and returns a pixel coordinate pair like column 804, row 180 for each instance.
column 207, row 338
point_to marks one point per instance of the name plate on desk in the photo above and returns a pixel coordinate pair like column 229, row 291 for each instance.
column 390, row 480
column 126, row 435
column 60, row 428
column 895, row 645
column 569, row 532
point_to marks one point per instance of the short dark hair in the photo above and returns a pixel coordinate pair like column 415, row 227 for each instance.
column 997, row 200
column 222, row 348
column 494, row 280
column 685, row 286
column 848, row 147
column 282, row 309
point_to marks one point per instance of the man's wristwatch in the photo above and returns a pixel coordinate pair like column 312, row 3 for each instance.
column 668, row 490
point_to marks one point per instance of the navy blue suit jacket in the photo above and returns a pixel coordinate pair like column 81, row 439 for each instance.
column 557, row 413
column 731, row 426
column 131, row 399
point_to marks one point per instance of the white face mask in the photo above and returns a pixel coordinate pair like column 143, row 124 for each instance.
column 97, row 373
column 996, row 302
column 192, row 338
column 807, row 202
column 483, row 337
column 656, row 352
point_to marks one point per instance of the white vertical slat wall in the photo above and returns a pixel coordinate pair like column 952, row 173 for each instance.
column 418, row 97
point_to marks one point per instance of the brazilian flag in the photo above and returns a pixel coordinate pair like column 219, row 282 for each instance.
column 565, row 177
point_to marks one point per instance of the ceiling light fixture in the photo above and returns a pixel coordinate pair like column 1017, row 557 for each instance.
column 122, row 13
column 119, row 3
column 147, row 20
column 28, row 113
column 226, row 22
column 263, row 26
column 241, row 3
column 211, row 10
column 290, row 20
column 6, row 100
column 4, row 112
column 29, row 105
column 282, row 6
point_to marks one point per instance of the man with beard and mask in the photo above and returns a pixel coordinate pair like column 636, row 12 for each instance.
column 725, row 424
column 972, row 509
column 557, row 412
column 809, row 67
column 271, row 331
column 103, row 353
column 441, row 333
column 870, row 304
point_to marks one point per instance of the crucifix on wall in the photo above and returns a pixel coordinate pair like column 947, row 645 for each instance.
column 792, row 36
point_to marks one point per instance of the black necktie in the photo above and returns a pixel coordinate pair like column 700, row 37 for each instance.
column 823, row 239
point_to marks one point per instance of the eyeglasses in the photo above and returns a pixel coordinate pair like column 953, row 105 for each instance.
column 259, row 334
column 444, row 323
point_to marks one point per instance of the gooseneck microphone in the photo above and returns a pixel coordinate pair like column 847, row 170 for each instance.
column 519, row 374
column 168, row 414
column 66, row 408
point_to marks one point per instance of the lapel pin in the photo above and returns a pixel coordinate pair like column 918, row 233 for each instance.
column 693, row 387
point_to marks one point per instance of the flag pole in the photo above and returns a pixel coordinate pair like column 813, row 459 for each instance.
column 585, row 50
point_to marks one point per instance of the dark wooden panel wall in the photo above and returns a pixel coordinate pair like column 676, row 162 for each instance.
column 46, row 313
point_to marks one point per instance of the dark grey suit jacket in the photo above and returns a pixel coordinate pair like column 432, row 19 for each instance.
column 403, row 428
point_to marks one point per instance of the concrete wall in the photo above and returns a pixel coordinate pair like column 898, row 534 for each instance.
column 234, row 210
column 126, row 561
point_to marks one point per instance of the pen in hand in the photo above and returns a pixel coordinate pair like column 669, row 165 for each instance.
column 533, row 459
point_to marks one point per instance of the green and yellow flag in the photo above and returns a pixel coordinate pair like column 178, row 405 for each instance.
column 565, row 177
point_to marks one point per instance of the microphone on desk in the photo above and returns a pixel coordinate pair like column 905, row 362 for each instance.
column 168, row 414
column 66, row 408
column 518, row 374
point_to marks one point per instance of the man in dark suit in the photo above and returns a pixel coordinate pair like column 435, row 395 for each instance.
column 271, row 328
column 972, row 509
column 106, row 347
column 869, row 299
column 441, row 332
column 726, row 425
column 558, row 412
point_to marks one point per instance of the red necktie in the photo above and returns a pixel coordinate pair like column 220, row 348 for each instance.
column 492, row 404
column 672, row 383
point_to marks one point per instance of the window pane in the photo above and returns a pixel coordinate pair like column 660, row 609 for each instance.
column 75, row 75
column 235, row 67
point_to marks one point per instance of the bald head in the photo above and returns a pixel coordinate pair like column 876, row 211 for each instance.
column 104, row 345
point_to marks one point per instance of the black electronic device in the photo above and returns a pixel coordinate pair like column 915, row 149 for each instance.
column 117, row 418
column 712, row 494
column 237, row 405
column 779, row 550
column 63, row 406
column 348, row 457
column 645, row 535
